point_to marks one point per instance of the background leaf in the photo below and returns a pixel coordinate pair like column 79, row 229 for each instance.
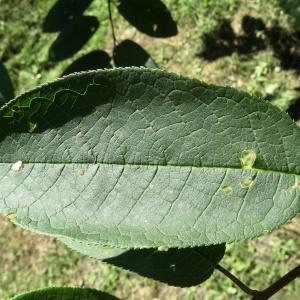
column 65, row 293
column 177, row 267
column 144, row 158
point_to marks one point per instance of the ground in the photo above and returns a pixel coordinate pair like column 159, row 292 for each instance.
column 251, row 45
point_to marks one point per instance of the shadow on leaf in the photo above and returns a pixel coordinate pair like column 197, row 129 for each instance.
column 129, row 53
column 73, row 38
column 177, row 267
column 149, row 16
column 91, row 61
column 63, row 13
column 6, row 87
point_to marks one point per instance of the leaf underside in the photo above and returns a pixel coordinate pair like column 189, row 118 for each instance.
column 177, row 267
column 141, row 158
column 65, row 293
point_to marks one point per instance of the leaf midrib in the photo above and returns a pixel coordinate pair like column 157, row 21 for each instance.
column 153, row 165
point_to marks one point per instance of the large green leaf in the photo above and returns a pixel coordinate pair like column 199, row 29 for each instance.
column 143, row 158
column 178, row 267
column 64, row 293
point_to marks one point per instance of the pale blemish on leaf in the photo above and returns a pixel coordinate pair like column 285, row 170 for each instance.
column 17, row 166
column 81, row 173
column 227, row 190
column 11, row 216
column 247, row 159
column 163, row 249
column 32, row 127
column 297, row 183
column 172, row 267
column 246, row 183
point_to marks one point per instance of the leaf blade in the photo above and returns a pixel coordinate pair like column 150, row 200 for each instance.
column 110, row 135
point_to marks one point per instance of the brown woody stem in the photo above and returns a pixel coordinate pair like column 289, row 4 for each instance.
column 268, row 292
column 111, row 22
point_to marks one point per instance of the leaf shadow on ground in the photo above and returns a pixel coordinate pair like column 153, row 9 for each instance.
column 151, row 17
column 294, row 109
column 255, row 37
column 63, row 13
column 128, row 53
column 6, row 86
column 73, row 38
column 94, row 60
column 177, row 267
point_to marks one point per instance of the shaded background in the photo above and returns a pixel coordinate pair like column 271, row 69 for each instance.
column 251, row 45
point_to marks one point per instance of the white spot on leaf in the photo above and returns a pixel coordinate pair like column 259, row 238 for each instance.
column 163, row 249
column 17, row 166
column 173, row 267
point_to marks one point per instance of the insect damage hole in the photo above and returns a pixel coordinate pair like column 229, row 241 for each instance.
column 17, row 166
column 247, row 159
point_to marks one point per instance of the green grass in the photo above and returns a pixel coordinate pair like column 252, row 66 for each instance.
column 30, row 261
column 24, row 47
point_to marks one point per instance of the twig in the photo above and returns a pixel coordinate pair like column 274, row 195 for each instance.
column 111, row 22
column 240, row 284
column 279, row 284
column 268, row 292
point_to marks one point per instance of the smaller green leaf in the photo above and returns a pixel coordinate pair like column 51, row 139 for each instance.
column 65, row 293
column 177, row 267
